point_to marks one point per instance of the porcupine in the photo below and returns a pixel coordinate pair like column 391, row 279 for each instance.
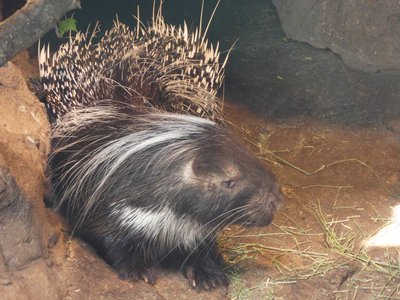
column 139, row 166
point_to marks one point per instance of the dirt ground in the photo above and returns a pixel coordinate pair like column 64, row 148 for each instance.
column 340, row 185
column 331, row 135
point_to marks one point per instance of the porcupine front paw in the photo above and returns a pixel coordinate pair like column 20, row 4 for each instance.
column 207, row 276
column 148, row 275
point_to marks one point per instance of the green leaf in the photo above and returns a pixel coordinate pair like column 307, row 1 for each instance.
column 68, row 24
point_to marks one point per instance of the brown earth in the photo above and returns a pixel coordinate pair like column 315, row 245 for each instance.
column 340, row 185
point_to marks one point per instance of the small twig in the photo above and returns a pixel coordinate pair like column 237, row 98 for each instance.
column 328, row 186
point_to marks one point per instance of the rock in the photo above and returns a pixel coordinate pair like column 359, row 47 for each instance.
column 24, row 227
column 19, row 238
column 22, row 163
column 364, row 33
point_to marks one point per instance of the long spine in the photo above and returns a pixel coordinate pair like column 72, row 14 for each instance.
column 160, row 66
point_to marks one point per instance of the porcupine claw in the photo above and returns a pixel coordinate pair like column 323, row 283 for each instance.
column 206, row 278
column 148, row 275
column 206, row 273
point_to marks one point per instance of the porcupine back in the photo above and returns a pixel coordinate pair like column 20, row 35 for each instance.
column 160, row 66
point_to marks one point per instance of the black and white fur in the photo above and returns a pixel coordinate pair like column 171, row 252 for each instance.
column 142, row 181
column 148, row 188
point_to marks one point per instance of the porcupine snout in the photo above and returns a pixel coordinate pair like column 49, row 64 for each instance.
column 264, row 197
column 264, row 203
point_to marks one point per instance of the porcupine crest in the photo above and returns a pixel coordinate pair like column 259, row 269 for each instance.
column 160, row 65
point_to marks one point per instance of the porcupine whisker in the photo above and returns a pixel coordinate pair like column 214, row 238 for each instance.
column 226, row 216
column 211, row 232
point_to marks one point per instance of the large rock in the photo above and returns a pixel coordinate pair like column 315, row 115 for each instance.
column 24, row 225
column 364, row 33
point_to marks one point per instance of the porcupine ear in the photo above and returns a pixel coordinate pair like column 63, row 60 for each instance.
column 189, row 172
column 203, row 164
column 195, row 169
column 226, row 174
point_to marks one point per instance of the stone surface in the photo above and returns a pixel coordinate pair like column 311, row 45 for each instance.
column 364, row 33
column 23, row 147
column 19, row 238
column 24, row 225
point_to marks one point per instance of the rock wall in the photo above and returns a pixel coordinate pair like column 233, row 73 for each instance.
column 364, row 33
column 24, row 225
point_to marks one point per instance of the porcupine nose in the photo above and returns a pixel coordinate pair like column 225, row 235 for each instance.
column 264, row 205
column 275, row 198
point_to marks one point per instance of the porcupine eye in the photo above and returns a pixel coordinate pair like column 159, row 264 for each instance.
column 229, row 183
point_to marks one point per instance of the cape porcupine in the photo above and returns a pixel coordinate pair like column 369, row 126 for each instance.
column 139, row 177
